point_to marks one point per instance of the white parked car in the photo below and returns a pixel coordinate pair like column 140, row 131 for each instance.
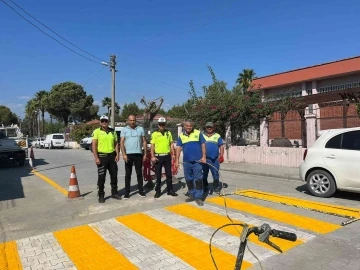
column 86, row 143
column 56, row 140
column 38, row 143
column 332, row 162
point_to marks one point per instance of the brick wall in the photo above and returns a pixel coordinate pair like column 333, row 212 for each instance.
column 332, row 117
column 292, row 126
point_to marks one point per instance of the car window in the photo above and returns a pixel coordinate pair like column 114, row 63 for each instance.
column 351, row 140
column 334, row 142
column 58, row 137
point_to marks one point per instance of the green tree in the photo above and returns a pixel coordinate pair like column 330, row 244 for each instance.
column 178, row 111
column 81, row 131
column 68, row 101
column 7, row 117
column 106, row 102
column 41, row 100
column 131, row 108
column 245, row 79
column 31, row 111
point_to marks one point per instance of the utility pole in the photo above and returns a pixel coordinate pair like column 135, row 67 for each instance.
column 113, row 70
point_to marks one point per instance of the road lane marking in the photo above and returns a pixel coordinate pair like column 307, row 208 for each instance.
column 51, row 182
column 9, row 256
column 42, row 251
column 298, row 221
column 190, row 249
column 222, row 240
column 139, row 250
column 301, row 235
column 216, row 221
column 311, row 205
column 88, row 250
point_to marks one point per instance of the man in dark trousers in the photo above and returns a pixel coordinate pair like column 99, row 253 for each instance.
column 133, row 147
column 192, row 143
column 214, row 156
column 106, row 152
column 161, row 152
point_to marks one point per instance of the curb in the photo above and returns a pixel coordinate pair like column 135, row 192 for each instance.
column 287, row 177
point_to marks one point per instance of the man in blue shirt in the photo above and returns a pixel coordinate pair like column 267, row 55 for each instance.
column 214, row 144
column 192, row 143
column 133, row 147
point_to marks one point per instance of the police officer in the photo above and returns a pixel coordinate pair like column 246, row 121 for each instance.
column 214, row 146
column 161, row 152
column 192, row 143
column 106, row 152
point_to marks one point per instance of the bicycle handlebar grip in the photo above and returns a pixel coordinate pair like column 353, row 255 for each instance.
column 284, row 235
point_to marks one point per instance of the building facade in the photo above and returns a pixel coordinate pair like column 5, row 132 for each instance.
column 324, row 89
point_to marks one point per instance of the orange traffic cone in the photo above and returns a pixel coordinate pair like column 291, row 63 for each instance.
column 74, row 191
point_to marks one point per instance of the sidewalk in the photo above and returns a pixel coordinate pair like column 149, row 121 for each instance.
column 264, row 170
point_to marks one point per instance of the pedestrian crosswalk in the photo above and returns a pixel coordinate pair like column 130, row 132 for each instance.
column 174, row 237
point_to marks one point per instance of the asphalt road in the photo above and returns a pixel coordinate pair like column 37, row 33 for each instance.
column 31, row 206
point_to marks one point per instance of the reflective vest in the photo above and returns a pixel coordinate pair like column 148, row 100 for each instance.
column 212, row 139
column 193, row 137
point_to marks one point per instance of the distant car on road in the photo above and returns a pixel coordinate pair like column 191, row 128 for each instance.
column 56, row 140
column 332, row 163
column 86, row 143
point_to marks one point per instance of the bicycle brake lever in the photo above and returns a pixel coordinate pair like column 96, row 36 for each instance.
column 267, row 241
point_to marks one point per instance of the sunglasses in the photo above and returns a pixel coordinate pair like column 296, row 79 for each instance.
column 161, row 124
column 104, row 121
column 209, row 127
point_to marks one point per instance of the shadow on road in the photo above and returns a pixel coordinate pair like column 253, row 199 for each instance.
column 338, row 194
column 11, row 187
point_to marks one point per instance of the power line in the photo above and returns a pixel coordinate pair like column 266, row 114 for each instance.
column 49, row 35
column 54, row 31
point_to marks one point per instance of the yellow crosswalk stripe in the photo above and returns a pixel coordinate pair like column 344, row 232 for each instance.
column 88, row 250
column 190, row 249
column 298, row 221
column 216, row 221
column 312, row 205
column 9, row 256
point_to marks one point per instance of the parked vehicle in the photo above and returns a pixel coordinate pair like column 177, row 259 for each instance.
column 86, row 143
column 56, row 140
column 38, row 143
column 331, row 163
column 13, row 145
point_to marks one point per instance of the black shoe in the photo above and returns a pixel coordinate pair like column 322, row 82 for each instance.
column 217, row 190
column 127, row 196
column 142, row 194
column 101, row 198
column 172, row 193
column 157, row 195
column 190, row 199
column 116, row 196
column 199, row 202
column 187, row 194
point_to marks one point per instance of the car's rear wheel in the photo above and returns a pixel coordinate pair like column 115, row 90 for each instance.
column 321, row 183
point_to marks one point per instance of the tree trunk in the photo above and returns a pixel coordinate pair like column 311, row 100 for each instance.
column 43, row 121
column 283, row 116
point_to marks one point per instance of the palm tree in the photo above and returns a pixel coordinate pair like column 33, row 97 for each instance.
column 30, row 110
column 106, row 102
column 245, row 79
column 41, row 97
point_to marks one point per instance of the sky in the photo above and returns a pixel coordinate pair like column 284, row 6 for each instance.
column 162, row 45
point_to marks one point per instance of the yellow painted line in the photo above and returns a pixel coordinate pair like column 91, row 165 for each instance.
column 215, row 220
column 88, row 250
column 186, row 247
column 311, row 205
column 51, row 182
column 9, row 256
column 298, row 221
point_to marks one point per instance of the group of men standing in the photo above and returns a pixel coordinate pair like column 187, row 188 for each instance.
column 201, row 152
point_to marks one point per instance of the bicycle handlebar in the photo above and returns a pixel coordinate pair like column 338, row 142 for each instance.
column 283, row 235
